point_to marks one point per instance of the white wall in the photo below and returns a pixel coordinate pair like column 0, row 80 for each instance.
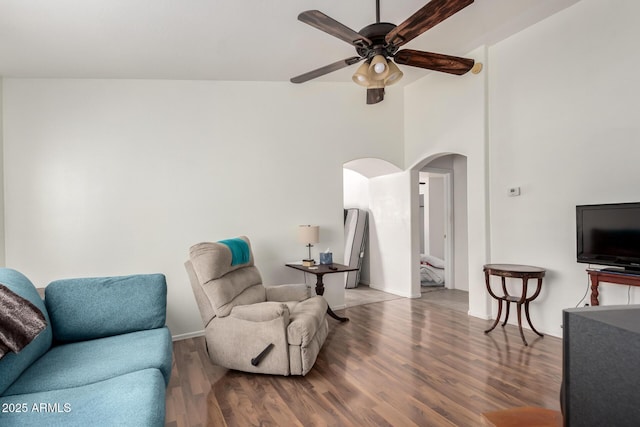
column 390, row 233
column 564, row 127
column 356, row 195
column 561, row 100
column 386, row 265
column 113, row 177
column 460, row 224
column 2, row 240
column 356, row 190
column 446, row 114
column 107, row 177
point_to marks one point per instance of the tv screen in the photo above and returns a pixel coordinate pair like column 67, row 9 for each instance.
column 609, row 234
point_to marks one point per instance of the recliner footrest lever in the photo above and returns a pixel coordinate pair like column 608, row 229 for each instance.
column 256, row 360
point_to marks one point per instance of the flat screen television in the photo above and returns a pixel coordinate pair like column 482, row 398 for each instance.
column 609, row 234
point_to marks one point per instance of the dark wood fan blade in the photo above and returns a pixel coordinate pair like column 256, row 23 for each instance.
column 326, row 69
column 317, row 19
column 434, row 61
column 429, row 16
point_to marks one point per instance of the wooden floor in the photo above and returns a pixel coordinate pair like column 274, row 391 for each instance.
column 405, row 362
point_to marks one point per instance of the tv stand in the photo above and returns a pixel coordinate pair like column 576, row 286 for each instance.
column 610, row 275
column 621, row 270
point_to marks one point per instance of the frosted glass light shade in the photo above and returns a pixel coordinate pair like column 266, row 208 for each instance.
column 394, row 74
column 361, row 76
column 378, row 69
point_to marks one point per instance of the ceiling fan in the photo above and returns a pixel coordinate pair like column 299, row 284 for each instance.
column 378, row 42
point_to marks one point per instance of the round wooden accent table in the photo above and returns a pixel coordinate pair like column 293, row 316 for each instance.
column 524, row 272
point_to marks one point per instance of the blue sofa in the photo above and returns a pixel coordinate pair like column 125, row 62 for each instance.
column 104, row 357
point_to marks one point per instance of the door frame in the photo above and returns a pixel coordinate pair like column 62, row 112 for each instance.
column 447, row 174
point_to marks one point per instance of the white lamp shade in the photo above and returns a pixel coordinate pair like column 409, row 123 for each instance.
column 308, row 234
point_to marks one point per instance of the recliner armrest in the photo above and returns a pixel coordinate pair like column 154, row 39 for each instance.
column 282, row 293
column 261, row 312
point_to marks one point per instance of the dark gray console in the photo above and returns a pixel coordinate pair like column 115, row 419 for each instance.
column 601, row 366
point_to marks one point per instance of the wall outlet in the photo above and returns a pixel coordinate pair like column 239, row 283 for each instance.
column 513, row 191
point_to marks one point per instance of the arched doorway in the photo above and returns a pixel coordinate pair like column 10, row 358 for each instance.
column 370, row 184
column 395, row 219
column 443, row 231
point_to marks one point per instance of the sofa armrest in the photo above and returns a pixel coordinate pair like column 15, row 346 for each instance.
column 261, row 312
column 282, row 293
column 88, row 308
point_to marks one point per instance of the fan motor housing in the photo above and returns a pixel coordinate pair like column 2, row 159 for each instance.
column 376, row 33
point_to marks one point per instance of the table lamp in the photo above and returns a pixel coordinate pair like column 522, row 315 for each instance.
column 308, row 234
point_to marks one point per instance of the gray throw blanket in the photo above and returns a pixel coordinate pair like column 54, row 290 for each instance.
column 20, row 321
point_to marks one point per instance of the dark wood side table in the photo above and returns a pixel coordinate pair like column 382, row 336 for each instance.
column 617, row 277
column 319, row 271
column 524, row 272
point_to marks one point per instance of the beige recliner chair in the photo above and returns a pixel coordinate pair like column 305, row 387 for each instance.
column 248, row 326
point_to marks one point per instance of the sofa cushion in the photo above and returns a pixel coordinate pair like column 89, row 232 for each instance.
column 306, row 318
column 134, row 399
column 89, row 308
column 80, row 363
column 13, row 364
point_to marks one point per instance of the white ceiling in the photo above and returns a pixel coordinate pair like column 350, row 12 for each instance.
column 250, row 40
column 371, row 168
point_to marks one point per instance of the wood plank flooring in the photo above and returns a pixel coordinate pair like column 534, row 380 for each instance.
column 405, row 362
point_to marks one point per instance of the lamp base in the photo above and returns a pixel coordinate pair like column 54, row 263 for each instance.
column 308, row 262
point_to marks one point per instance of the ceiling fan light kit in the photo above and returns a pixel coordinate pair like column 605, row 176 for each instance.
column 361, row 76
column 378, row 43
column 378, row 69
column 375, row 95
column 394, row 75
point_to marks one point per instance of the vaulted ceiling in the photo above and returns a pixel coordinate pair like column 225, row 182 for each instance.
column 250, row 40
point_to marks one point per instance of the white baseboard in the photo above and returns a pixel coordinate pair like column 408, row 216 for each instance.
column 187, row 335
column 372, row 286
column 339, row 307
column 479, row 315
column 395, row 292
